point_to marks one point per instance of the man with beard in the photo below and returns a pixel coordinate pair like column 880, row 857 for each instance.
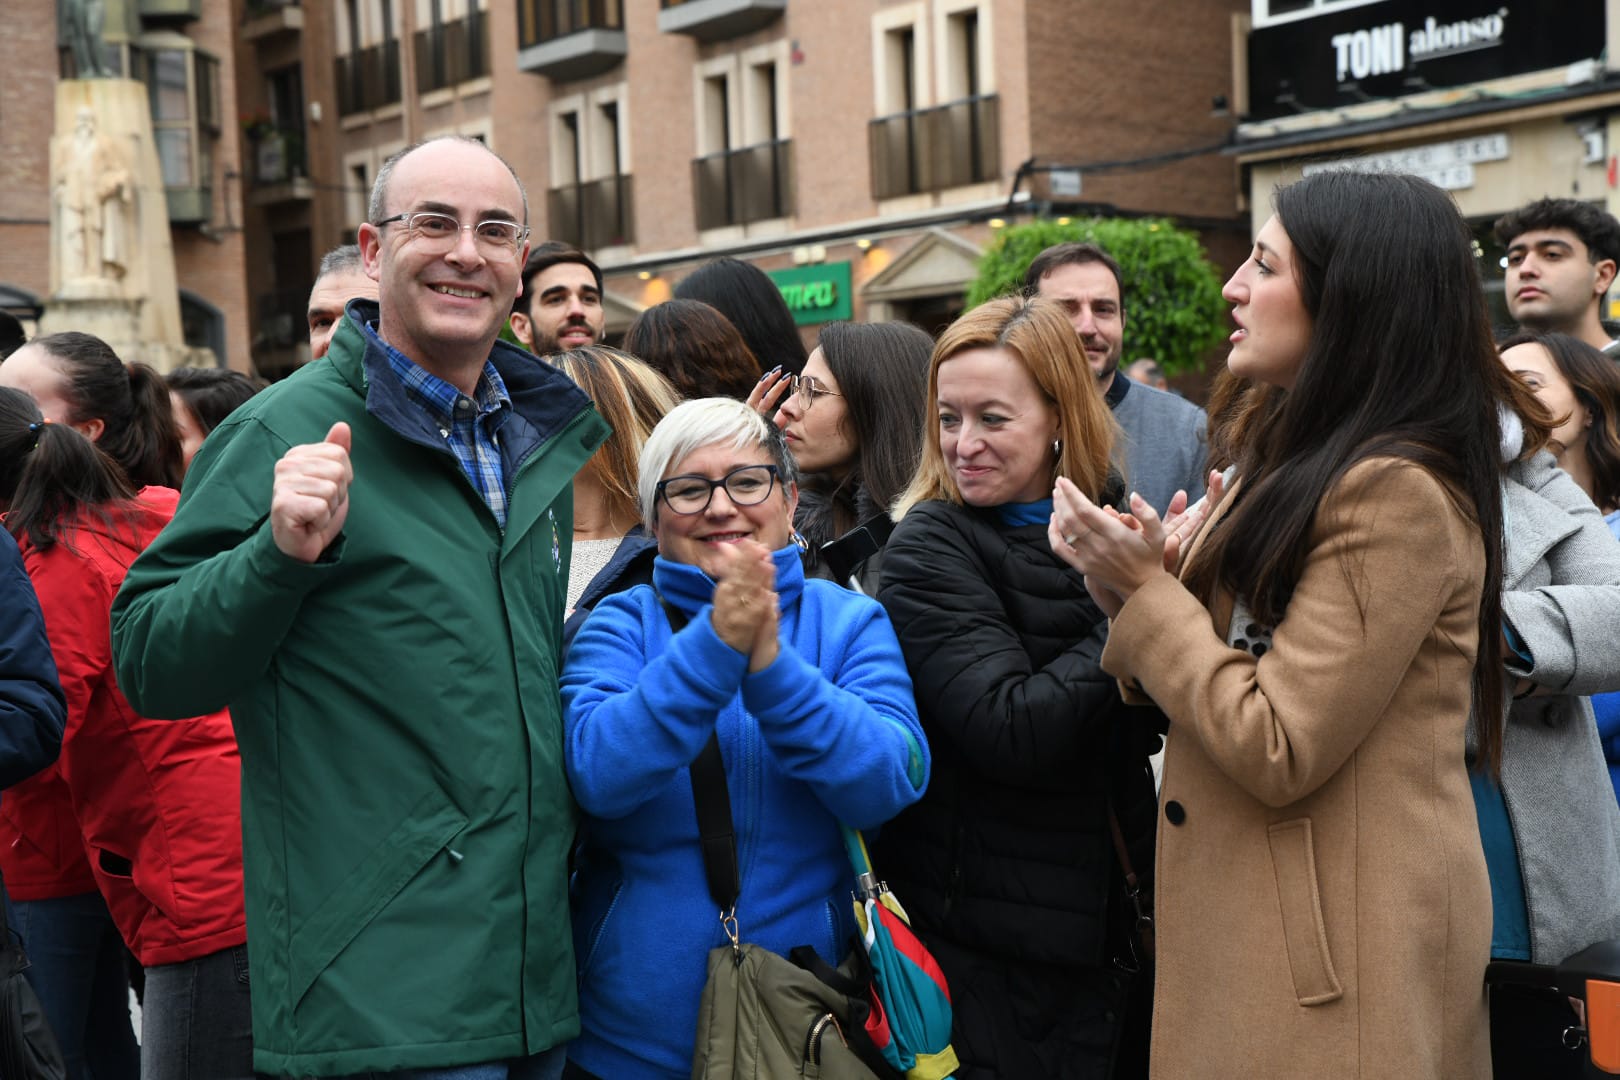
column 1561, row 258
column 1165, row 449
column 560, row 306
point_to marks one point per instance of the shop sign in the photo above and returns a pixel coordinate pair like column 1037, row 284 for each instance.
column 815, row 294
column 1399, row 47
column 1447, row 165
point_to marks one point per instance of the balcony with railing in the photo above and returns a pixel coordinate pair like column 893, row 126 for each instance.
column 263, row 20
column 933, row 149
column 277, row 170
column 716, row 20
column 735, row 187
column 570, row 39
column 452, row 53
column 368, row 79
column 169, row 10
column 593, row 214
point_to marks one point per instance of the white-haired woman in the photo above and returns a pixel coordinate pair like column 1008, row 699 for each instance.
column 804, row 686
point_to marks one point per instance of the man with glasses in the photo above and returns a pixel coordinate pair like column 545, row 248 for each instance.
column 369, row 568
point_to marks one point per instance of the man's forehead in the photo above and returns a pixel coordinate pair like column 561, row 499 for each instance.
column 337, row 289
column 568, row 274
column 1537, row 238
column 454, row 177
column 1080, row 281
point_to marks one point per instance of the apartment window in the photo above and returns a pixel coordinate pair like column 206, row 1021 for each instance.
column 277, row 152
column 565, row 150
column 897, row 84
column 590, row 201
column 359, row 192
column 368, row 75
column 352, row 11
column 183, row 86
column 742, row 171
column 760, row 121
column 961, row 67
column 715, row 136
column 453, row 51
column 919, row 146
column 605, row 149
column 546, row 20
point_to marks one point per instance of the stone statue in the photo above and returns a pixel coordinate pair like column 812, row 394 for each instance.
column 82, row 23
column 93, row 191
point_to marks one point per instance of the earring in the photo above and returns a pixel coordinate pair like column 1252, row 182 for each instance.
column 800, row 542
column 1057, row 447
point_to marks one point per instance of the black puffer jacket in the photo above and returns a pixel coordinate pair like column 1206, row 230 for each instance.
column 1008, row 857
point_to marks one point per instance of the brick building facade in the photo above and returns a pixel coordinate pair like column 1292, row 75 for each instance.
column 203, row 191
column 879, row 140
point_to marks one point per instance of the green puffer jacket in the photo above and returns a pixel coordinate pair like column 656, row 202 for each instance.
column 406, row 820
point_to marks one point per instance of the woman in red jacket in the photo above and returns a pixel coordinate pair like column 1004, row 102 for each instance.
column 156, row 802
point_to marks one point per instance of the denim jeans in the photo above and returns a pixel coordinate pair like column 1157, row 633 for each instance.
column 76, row 966
column 546, row 1065
column 196, row 1020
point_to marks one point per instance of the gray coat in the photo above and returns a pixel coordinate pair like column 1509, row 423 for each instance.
column 1165, row 442
column 1561, row 595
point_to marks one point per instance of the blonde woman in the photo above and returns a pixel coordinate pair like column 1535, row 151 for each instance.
column 1008, row 865
column 611, row 550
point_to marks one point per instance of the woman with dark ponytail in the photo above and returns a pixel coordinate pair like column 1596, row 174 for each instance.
column 124, row 409
column 136, row 830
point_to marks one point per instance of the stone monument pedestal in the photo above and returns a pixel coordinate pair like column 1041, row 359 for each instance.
column 116, row 321
column 112, row 262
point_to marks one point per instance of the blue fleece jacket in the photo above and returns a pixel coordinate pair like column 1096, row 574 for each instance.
column 827, row 732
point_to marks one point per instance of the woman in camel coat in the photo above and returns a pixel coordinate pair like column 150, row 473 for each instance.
column 1323, row 906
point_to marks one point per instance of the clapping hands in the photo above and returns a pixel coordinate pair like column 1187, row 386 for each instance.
column 1120, row 552
column 746, row 607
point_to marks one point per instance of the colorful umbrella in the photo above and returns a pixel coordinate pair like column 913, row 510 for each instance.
column 910, row 1020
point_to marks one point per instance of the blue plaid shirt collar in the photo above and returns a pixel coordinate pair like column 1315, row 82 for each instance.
column 469, row 434
column 435, row 395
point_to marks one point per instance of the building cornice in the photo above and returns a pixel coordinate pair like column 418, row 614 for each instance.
column 1427, row 122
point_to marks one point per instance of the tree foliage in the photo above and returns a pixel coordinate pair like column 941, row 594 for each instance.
column 1173, row 306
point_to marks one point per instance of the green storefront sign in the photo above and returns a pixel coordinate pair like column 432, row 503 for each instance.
column 815, row 294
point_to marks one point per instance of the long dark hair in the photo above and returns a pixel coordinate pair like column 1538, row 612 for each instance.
column 1595, row 382
column 882, row 373
column 131, row 401
column 50, row 475
column 743, row 294
column 696, row 348
column 1400, row 364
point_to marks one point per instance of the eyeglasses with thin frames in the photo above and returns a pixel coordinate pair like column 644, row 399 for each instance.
column 437, row 233
column 746, row 485
column 807, row 389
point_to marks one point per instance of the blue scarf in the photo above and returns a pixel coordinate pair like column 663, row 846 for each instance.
column 690, row 589
column 1015, row 515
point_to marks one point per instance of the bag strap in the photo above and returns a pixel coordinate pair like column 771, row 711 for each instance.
column 1133, row 884
column 711, row 797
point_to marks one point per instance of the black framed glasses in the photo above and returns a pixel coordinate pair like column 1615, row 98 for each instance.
column 807, row 389
column 746, row 485
column 437, row 233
